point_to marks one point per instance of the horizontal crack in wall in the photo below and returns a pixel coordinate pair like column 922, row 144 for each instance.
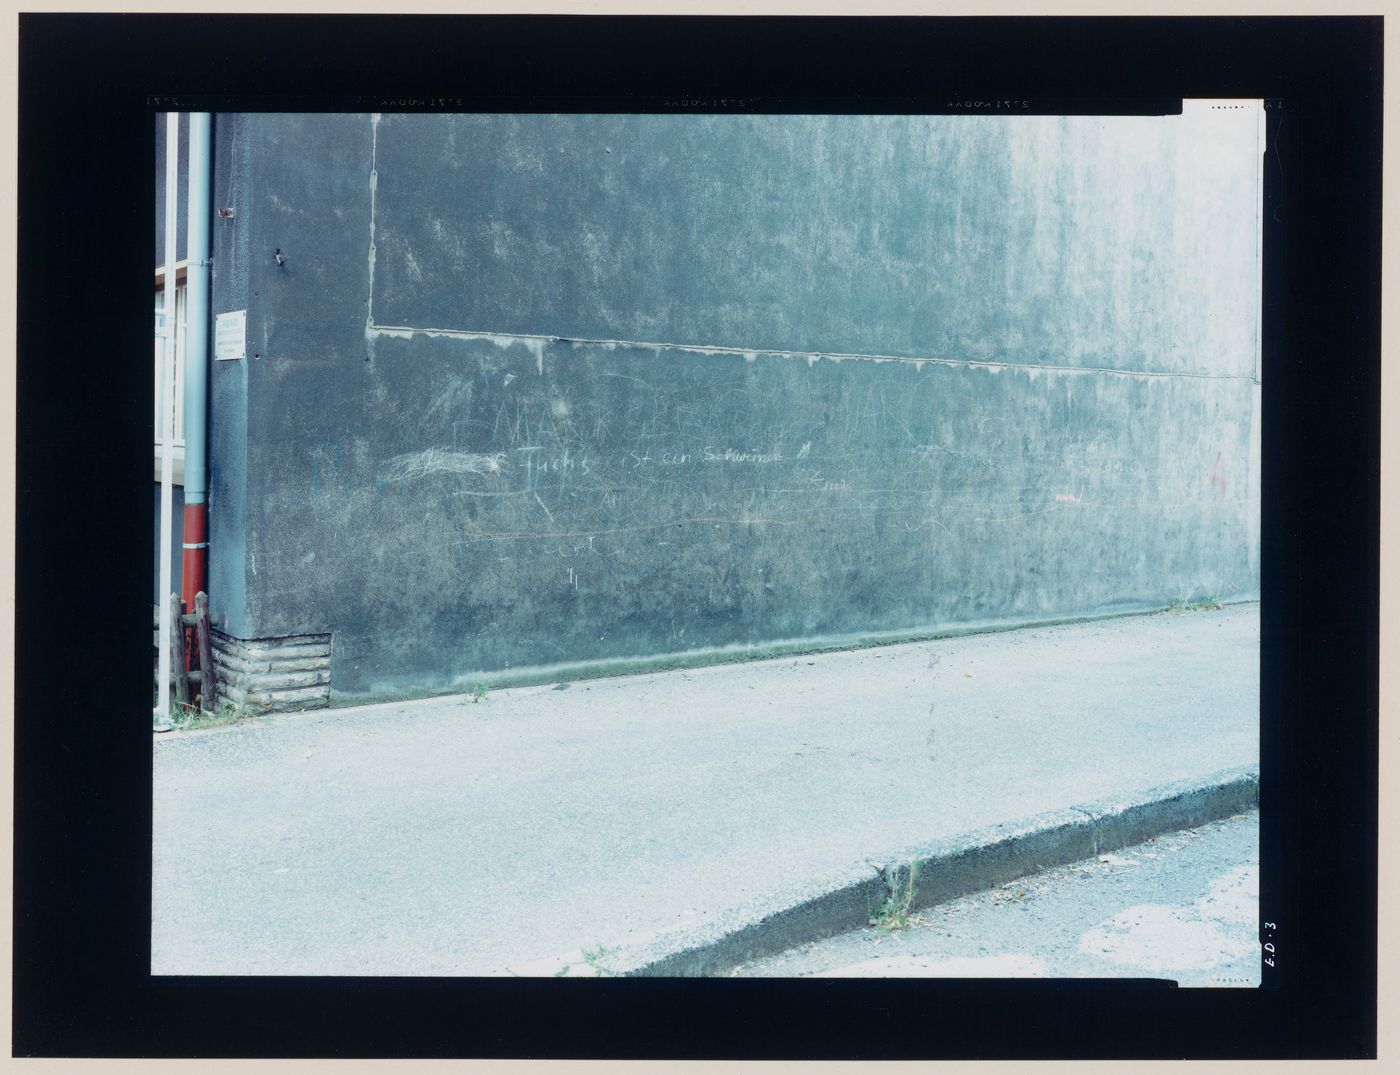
column 537, row 341
column 374, row 330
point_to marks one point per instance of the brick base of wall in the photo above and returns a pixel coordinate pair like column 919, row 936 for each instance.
column 273, row 674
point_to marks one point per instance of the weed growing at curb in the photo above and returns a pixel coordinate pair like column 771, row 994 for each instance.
column 893, row 914
column 480, row 691
column 1206, row 604
column 190, row 718
column 591, row 956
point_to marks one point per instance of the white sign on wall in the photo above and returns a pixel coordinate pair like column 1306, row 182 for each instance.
column 231, row 335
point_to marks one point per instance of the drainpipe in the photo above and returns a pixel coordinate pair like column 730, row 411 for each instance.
column 200, row 209
column 161, row 716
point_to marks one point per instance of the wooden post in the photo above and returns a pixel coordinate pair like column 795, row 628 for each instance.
column 207, row 701
column 178, row 671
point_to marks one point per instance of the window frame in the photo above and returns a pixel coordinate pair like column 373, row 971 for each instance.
column 177, row 414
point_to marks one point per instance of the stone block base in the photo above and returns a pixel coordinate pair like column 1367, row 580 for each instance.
column 273, row 674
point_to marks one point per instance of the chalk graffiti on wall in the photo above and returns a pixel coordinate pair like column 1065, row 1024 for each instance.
column 1217, row 476
column 574, row 478
column 641, row 490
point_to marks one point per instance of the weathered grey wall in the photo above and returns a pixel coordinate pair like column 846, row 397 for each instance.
column 235, row 285
column 1079, row 241
column 533, row 390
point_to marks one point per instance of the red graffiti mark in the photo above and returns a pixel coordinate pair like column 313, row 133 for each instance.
column 1216, row 478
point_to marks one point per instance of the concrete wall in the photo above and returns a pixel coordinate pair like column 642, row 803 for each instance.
column 533, row 390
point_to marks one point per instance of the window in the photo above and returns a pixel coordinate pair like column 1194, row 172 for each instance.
column 170, row 415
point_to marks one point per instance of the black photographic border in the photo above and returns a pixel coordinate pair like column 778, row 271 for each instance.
column 88, row 87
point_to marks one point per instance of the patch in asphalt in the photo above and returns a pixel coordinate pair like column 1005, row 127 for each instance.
column 1180, row 938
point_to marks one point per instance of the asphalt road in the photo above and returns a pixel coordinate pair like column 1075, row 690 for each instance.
column 1184, row 906
column 454, row 837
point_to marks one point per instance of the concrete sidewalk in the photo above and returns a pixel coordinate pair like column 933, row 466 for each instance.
column 682, row 821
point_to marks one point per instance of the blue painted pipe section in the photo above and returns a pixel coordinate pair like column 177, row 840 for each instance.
column 197, row 300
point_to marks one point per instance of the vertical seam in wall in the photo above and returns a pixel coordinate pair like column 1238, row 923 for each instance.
column 373, row 189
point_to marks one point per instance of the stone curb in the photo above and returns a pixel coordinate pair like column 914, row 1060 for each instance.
column 949, row 868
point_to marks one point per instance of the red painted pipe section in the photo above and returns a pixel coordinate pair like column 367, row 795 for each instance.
column 195, row 571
